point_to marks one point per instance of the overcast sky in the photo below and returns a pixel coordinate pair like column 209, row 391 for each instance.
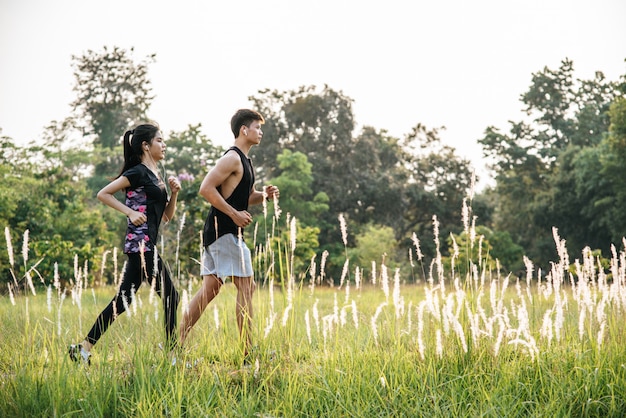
column 452, row 63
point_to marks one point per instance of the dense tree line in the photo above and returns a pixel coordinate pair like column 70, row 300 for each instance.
column 561, row 167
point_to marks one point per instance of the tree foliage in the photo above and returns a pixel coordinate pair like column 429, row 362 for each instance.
column 548, row 170
column 113, row 92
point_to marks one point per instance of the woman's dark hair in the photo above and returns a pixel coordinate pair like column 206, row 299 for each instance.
column 133, row 143
column 244, row 117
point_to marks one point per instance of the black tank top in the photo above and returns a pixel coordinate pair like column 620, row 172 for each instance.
column 238, row 200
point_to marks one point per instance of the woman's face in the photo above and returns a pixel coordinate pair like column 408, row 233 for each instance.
column 156, row 149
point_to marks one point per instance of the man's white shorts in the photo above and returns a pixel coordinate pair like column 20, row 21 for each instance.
column 227, row 257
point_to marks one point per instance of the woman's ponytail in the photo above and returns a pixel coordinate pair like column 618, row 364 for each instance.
column 133, row 141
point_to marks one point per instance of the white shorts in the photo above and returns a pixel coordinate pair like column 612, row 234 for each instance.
column 226, row 257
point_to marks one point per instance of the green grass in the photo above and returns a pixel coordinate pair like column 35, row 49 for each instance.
column 344, row 370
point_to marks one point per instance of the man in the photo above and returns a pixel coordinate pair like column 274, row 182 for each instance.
column 229, row 188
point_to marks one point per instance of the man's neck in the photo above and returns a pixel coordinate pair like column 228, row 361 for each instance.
column 243, row 145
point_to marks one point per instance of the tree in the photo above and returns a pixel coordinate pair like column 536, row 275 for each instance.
column 538, row 165
column 113, row 92
column 295, row 181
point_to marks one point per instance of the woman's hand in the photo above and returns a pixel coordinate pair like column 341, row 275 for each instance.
column 137, row 218
column 174, row 184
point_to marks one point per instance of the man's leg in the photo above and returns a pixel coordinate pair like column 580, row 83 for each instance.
column 210, row 288
column 245, row 289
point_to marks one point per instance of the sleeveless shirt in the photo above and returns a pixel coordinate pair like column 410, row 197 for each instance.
column 146, row 194
column 217, row 222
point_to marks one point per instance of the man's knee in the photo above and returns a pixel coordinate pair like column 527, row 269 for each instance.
column 212, row 285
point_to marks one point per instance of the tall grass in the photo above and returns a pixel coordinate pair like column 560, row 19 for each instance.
column 548, row 344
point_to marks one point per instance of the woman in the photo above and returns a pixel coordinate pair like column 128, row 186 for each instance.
column 146, row 204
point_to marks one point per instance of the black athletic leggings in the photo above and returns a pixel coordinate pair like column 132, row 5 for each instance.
column 134, row 275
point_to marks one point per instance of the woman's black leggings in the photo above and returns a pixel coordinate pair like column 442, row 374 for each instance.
column 134, row 275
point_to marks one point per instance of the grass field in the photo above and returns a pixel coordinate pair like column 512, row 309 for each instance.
column 493, row 347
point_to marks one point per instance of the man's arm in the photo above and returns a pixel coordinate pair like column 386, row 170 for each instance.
column 225, row 169
column 256, row 197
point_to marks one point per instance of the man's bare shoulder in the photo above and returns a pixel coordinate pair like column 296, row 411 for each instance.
column 230, row 161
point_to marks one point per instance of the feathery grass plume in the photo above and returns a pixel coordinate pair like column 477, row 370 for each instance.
column 343, row 316
column 472, row 186
column 398, row 300
column 11, row 297
column 447, row 314
column 25, row 247
column 526, row 344
column 152, row 294
column 546, row 327
column 264, row 202
column 344, row 272
column 373, row 272
column 323, row 266
column 458, row 329
column 436, row 232
column 327, row 325
column 292, row 233
column 347, row 290
column 7, row 236
column 418, row 250
column 472, row 234
column 133, row 300
column 29, row 281
column 116, row 277
column 335, row 314
column 286, row 314
column 455, row 253
column 277, row 210
column 240, row 244
column 49, row 298
column 438, row 343
column 312, row 273
column 181, row 225
column 216, row 317
column 271, row 294
column 601, row 333
column 357, row 278
column 344, row 229
column 384, row 280
column 500, row 337
column 104, row 262
column 465, row 216
column 409, row 318
column 269, row 323
column 373, row 324
column 155, row 267
column 480, row 250
column 125, row 302
column 355, row 315
column 383, row 382
column 85, row 274
column 474, row 320
column 307, row 323
column 316, row 316
column 61, row 299
column 411, row 258
column 421, row 348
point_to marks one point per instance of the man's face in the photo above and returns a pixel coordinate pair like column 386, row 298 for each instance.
column 254, row 133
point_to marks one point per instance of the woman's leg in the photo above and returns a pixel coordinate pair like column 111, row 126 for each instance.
column 169, row 295
column 131, row 279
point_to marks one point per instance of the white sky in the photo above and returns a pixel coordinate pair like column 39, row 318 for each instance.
column 452, row 63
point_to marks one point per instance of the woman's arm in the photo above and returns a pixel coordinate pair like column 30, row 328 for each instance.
column 168, row 214
column 106, row 196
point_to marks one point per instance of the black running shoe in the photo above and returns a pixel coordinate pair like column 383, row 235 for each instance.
column 79, row 355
